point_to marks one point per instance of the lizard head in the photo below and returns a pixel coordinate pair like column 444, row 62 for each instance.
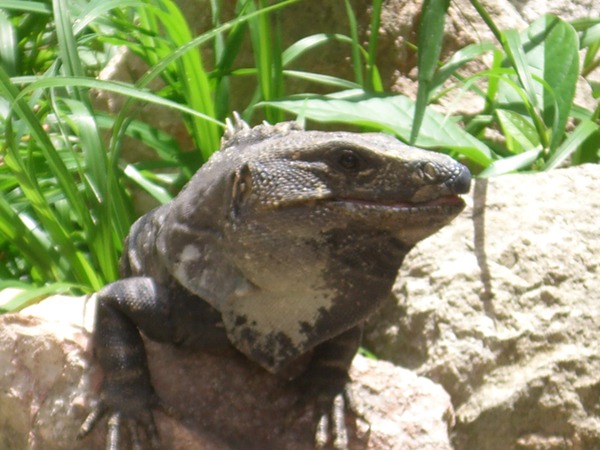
column 341, row 179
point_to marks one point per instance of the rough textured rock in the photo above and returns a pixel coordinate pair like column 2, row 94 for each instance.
column 48, row 382
column 502, row 308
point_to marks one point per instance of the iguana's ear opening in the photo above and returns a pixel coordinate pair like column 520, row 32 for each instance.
column 241, row 188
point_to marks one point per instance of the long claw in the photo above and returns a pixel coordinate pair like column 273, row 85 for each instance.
column 322, row 432
column 91, row 420
column 340, row 431
column 152, row 432
column 114, row 432
column 134, row 435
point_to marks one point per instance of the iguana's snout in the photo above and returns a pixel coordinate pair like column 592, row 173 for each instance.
column 460, row 182
column 439, row 177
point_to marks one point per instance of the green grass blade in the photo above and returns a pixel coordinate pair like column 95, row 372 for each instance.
column 373, row 79
column 31, row 296
column 163, row 143
column 266, row 46
column 67, row 47
column 161, row 66
column 512, row 163
column 116, row 87
column 97, row 9
column 157, row 192
column 14, row 230
column 22, row 109
column 431, row 33
column 80, row 266
column 100, row 239
column 485, row 16
column 309, row 43
column 511, row 42
column 356, row 47
column 325, row 80
column 8, row 45
column 459, row 59
column 194, row 78
column 26, row 6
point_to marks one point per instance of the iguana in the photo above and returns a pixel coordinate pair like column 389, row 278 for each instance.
column 281, row 245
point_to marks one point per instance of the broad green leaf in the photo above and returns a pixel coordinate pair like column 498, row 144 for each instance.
column 584, row 130
column 519, row 132
column 561, row 70
column 548, row 70
column 393, row 114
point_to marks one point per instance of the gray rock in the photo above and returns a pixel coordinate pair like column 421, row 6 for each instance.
column 502, row 308
column 49, row 381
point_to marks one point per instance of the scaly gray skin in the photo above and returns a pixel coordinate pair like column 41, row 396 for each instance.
column 282, row 244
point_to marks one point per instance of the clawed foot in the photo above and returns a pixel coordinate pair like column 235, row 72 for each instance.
column 332, row 414
column 331, row 426
column 141, row 427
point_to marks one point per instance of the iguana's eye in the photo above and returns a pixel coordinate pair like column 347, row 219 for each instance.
column 349, row 160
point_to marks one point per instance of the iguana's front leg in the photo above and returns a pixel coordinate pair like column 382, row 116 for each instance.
column 164, row 313
column 127, row 395
column 325, row 384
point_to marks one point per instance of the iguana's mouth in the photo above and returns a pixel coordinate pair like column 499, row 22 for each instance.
column 453, row 201
column 447, row 204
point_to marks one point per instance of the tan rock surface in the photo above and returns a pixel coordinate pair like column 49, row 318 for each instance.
column 509, row 321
